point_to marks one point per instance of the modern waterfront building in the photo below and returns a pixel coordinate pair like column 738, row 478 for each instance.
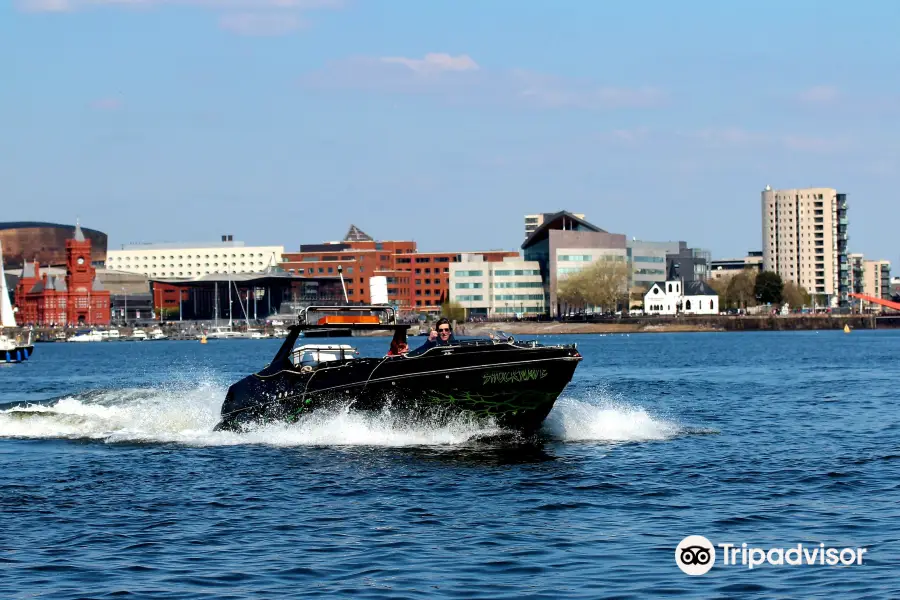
column 565, row 243
column 727, row 267
column 416, row 281
column 688, row 264
column 532, row 222
column 804, row 236
column 877, row 281
column 498, row 289
column 241, row 297
column 648, row 262
column 856, row 272
column 187, row 260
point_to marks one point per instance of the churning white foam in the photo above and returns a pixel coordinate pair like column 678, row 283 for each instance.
column 187, row 413
column 576, row 420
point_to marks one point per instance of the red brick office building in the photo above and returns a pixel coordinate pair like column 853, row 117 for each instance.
column 416, row 281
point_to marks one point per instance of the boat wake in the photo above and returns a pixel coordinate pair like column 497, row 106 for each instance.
column 577, row 420
column 185, row 413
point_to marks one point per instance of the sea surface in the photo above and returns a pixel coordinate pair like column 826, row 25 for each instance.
column 112, row 483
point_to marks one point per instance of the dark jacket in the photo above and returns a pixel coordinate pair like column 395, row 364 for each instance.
column 431, row 344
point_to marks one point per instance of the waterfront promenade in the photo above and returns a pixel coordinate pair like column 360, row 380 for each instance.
column 189, row 331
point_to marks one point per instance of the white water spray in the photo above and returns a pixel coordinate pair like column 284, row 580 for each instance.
column 185, row 412
column 575, row 420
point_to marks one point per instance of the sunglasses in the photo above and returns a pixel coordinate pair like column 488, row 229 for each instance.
column 444, row 330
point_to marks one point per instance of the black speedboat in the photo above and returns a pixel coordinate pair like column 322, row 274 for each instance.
column 514, row 382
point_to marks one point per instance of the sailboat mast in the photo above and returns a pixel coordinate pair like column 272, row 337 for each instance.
column 241, row 303
column 216, row 301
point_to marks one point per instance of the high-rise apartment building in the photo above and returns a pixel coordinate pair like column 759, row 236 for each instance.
column 804, row 235
column 857, row 270
column 532, row 222
column 877, row 279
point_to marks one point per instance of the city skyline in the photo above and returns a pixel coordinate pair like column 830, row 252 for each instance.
column 282, row 122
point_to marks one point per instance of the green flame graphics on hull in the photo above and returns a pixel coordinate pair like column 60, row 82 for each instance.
column 493, row 405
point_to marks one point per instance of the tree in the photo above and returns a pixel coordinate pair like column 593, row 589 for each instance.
column 740, row 292
column 794, row 295
column 721, row 287
column 606, row 283
column 453, row 311
column 602, row 284
column 768, row 287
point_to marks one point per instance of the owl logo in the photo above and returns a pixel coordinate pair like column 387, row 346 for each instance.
column 695, row 555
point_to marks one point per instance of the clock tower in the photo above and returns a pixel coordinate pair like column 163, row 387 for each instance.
column 79, row 300
column 88, row 303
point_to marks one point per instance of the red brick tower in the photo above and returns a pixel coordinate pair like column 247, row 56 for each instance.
column 88, row 303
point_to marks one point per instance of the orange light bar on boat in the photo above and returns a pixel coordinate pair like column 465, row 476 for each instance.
column 349, row 320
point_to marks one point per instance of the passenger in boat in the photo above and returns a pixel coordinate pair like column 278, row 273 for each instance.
column 399, row 347
column 441, row 335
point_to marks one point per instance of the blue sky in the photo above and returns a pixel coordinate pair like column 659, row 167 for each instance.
column 283, row 121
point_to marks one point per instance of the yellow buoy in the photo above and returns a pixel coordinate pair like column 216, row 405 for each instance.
column 202, row 339
column 846, row 328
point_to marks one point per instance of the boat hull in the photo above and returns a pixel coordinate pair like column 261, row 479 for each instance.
column 516, row 387
column 17, row 354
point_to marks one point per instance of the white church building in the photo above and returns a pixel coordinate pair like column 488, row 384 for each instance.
column 675, row 296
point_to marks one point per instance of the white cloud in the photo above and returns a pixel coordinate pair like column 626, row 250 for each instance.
column 261, row 24
column 820, row 94
column 434, row 63
column 46, row 5
column 243, row 17
column 69, row 5
column 739, row 138
column 460, row 78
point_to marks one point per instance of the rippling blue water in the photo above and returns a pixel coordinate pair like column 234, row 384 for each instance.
column 112, row 483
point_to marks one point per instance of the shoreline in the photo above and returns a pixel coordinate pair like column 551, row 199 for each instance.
column 692, row 324
column 709, row 324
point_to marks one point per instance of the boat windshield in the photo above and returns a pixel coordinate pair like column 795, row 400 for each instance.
column 313, row 355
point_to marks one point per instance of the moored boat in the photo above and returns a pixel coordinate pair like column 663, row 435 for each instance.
column 13, row 348
column 514, row 382
column 92, row 335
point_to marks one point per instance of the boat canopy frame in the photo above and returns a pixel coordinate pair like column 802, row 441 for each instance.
column 306, row 320
column 387, row 317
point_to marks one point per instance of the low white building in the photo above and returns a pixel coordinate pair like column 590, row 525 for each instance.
column 674, row 297
column 181, row 261
column 497, row 289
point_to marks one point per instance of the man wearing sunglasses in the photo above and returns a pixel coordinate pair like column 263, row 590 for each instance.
column 441, row 335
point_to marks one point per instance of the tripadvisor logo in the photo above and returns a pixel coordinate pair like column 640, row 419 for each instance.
column 696, row 555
